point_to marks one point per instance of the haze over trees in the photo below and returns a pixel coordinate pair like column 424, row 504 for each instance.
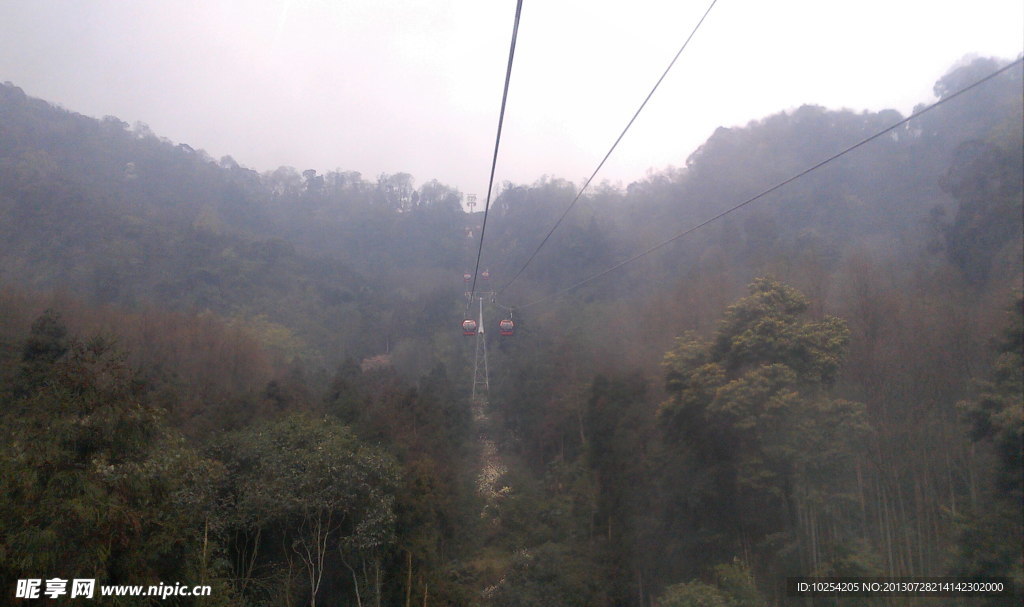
column 254, row 381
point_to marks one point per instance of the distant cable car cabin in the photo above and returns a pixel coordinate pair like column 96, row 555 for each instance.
column 506, row 327
column 486, row 275
column 469, row 327
column 467, row 277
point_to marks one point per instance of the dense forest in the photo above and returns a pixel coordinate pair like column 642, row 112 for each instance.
column 257, row 382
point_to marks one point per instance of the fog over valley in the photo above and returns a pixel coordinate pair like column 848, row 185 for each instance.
column 257, row 348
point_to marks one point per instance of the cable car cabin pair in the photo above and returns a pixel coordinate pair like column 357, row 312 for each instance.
column 467, row 277
column 506, row 327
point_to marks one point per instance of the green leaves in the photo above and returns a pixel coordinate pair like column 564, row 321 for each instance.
column 749, row 412
column 315, row 489
column 92, row 483
column 733, row 587
column 763, row 364
column 989, row 536
column 766, row 328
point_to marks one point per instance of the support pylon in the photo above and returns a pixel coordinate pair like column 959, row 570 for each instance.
column 481, row 374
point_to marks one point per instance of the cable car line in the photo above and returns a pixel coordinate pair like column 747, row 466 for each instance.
column 781, row 183
column 610, row 150
column 497, row 142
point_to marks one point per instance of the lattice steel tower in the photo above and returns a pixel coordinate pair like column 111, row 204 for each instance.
column 481, row 375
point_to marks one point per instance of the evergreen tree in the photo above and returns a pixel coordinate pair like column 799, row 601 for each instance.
column 762, row 450
column 46, row 343
column 990, row 534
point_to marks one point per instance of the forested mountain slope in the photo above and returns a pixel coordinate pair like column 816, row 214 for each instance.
column 222, row 369
column 122, row 216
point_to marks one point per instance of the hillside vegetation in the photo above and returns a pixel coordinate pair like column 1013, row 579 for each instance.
column 258, row 382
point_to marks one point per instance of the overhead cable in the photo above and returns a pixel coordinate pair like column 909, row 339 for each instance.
column 610, row 150
column 497, row 143
column 781, row 183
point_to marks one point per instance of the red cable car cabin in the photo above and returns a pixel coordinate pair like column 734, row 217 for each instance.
column 506, row 327
column 467, row 277
column 469, row 327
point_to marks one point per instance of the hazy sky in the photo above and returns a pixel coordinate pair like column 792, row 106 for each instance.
column 414, row 85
